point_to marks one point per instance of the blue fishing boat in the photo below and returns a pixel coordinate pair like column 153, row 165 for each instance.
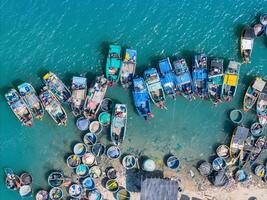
column 154, row 87
column 184, row 84
column 141, row 98
column 200, row 75
column 167, row 77
column 215, row 80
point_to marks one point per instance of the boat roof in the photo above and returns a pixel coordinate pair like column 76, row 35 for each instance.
column 259, row 84
column 130, row 55
column 200, row 74
column 165, row 65
column 247, row 44
column 115, row 49
column 183, row 78
column 79, row 80
column 233, row 65
column 230, row 79
column 241, row 135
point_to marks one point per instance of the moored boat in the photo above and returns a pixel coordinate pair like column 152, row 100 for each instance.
column 256, row 129
column 215, row 80
column 56, row 179
column 154, row 87
column 13, row 181
column 262, row 107
column 246, row 43
column 184, row 83
column 230, row 80
column 26, row 179
column 200, row 75
column 118, row 124
column 25, row 191
column 141, row 98
column 53, row 106
column 253, row 93
column 257, row 149
column 95, row 96
column 113, row 64
column 128, row 68
column 42, row 195
column 167, row 77
column 263, row 19
column 29, row 95
column 77, row 99
column 19, row 107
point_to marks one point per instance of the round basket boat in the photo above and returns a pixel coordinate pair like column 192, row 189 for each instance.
column 94, row 195
column 90, row 139
column 256, row 129
column 219, row 164
column 42, row 195
column 82, row 123
column 95, row 172
column 13, row 182
column 79, row 149
column 205, row 168
column 75, row 190
column 26, row 179
column 129, row 162
column 82, row 170
column 123, row 194
column 223, row 151
column 95, row 127
column 56, row 179
column 258, row 30
column 56, row 193
column 173, row 162
column 260, row 171
column 88, row 183
column 106, row 105
column 98, row 149
column 73, row 161
column 111, row 173
column 236, row 116
column 113, row 152
column 112, row 185
column 88, row 159
column 148, row 165
column 104, row 118
column 25, row 191
column 241, row 175
column 263, row 19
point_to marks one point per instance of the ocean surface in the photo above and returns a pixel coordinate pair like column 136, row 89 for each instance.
column 72, row 37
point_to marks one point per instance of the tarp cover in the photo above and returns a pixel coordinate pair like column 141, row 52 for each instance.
column 230, row 79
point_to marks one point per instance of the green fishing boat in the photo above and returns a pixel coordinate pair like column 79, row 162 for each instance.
column 113, row 64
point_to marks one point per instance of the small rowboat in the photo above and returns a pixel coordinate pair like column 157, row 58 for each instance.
column 95, row 172
column 19, row 107
column 263, row 19
column 173, row 162
column 75, row 191
column 113, row 64
column 256, row 129
column 128, row 68
column 57, row 87
column 246, row 44
column 219, row 164
column 167, row 77
column 88, row 184
column 56, row 179
column 205, row 168
column 112, row 186
column 223, row 151
column 26, row 179
column 95, row 127
column 129, row 161
column 258, row 30
column 90, row 139
column 118, row 124
column 241, row 175
column 262, row 107
column 200, row 75
column 257, row 149
column 111, row 173
column 88, row 159
column 94, row 195
column 236, row 116
column 123, row 194
column 79, row 91
column 260, row 171
column 29, row 95
column 230, row 80
column 95, row 96
column 82, row 170
column 154, row 87
column 113, row 152
column 107, row 105
column 25, row 191
column 56, row 193
column 42, row 195
column 53, row 106
column 104, row 118
column 79, row 149
column 13, row 182
column 253, row 93
column 73, row 161
column 98, row 149
column 82, row 123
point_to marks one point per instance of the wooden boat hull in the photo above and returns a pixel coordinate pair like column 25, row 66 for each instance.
column 128, row 68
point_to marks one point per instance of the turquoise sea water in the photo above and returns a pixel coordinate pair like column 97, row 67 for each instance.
column 71, row 38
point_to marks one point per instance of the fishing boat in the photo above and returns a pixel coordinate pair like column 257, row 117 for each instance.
column 25, row 191
column 95, row 96
column 113, row 152
column 241, row 175
column 19, row 107
column 230, row 80
column 78, row 96
column 263, row 19
column 42, row 195
column 56, row 193
column 200, row 75
column 154, row 87
column 26, row 179
column 246, row 151
column 29, row 95
column 237, row 142
column 57, row 87
column 256, row 129
column 113, row 64
column 141, row 98
column 262, row 107
column 13, row 182
column 167, row 77
column 215, row 80
column 258, row 30
column 128, row 68
column 246, row 44
column 184, row 83
column 257, row 149
column 118, row 124
column 253, row 93
column 53, row 106
column 56, row 179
